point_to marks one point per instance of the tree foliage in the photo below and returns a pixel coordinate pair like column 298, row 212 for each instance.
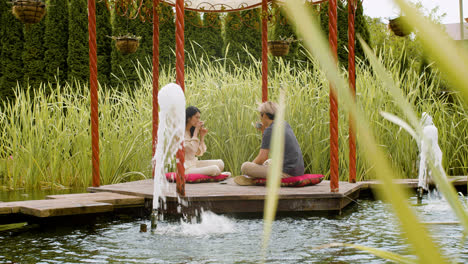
column 123, row 66
column 3, row 8
column 232, row 46
column 362, row 30
column 78, row 48
column 212, row 39
column 11, row 55
column 145, row 50
column 103, row 30
column 56, row 40
column 283, row 29
column 166, row 37
column 33, row 54
column 58, row 46
column 342, row 25
column 193, row 37
column 243, row 31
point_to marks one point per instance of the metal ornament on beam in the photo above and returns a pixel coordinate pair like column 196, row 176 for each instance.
column 144, row 8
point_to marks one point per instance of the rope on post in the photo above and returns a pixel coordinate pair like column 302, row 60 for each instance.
column 180, row 179
column 352, row 86
column 93, row 86
column 333, row 41
column 180, row 57
column 155, row 75
column 264, row 51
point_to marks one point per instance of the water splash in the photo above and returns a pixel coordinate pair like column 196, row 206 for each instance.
column 171, row 129
column 429, row 146
column 210, row 224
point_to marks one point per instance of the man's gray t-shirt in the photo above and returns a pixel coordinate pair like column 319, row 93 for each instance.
column 293, row 163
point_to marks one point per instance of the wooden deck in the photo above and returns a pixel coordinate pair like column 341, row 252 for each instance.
column 71, row 204
column 226, row 197
column 230, row 198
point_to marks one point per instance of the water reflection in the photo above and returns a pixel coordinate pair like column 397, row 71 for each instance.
column 23, row 195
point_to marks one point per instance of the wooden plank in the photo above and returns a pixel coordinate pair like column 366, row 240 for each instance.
column 45, row 208
column 413, row 183
column 115, row 199
column 12, row 226
column 231, row 198
column 10, row 207
column 218, row 197
column 61, row 207
column 257, row 206
column 142, row 188
column 458, row 180
column 229, row 191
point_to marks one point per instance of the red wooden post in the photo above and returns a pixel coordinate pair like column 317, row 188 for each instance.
column 264, row 51
column 180, row 81
column 93, row 86
column 333, row 41
column 180, row 57
column 155, row 73
column 352, row 86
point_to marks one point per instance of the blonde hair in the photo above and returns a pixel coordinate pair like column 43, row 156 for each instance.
column 268, row 107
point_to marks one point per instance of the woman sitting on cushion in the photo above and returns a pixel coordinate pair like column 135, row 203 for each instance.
column 293, row 163
column 194, row 143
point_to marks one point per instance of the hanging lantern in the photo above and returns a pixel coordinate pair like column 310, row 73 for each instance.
column 29, row 11
column 399, row 26
column 127, row 44
column 278, row 47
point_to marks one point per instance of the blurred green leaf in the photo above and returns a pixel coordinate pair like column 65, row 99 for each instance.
column 275, row 172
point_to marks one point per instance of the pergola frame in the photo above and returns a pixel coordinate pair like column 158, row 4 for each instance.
column 179, row 6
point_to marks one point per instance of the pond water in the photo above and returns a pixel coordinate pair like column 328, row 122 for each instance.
column 233, row 239
column 23, row 195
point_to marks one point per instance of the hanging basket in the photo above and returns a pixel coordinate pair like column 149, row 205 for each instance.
column 127, row 44
column 399, row 27
column 29, row 11
column 278, row 47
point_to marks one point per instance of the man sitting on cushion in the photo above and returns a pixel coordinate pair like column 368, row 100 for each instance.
column 293, row 163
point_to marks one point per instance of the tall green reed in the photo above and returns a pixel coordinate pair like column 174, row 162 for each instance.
column 274, row 174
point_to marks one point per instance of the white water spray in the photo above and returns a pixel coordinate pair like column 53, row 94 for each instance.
column 210, row 224
column 171, row 129
column 428, row 145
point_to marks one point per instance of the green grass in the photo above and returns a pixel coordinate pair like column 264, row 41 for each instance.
column 48, row 136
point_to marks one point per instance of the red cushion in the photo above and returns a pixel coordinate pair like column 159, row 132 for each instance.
column 295, row 181
column 197, row 178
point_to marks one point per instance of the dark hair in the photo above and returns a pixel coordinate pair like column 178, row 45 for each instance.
column 272, row 117
column 189, row 112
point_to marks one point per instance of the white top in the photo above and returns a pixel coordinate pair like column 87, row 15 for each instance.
column 193, row 148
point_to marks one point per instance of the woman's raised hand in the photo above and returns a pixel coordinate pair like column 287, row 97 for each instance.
column 199, row 125
column 203, row 131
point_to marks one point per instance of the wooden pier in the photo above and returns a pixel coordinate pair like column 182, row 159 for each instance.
column 229, row 197
column 225, row 197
